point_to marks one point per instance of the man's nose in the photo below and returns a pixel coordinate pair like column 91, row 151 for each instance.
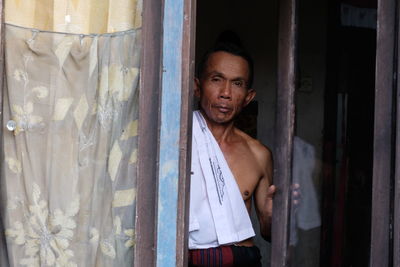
column 226, row 91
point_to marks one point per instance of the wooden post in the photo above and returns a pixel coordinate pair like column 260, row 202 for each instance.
column 148, row 133
column 383, row 135
column 188, row 65
column 287, row 62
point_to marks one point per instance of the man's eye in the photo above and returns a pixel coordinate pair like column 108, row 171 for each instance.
column 238, row 83
column 215, row 79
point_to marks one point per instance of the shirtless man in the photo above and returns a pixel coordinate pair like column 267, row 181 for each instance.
column 224, row 87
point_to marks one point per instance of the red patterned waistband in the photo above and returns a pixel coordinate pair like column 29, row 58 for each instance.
column 225, row 256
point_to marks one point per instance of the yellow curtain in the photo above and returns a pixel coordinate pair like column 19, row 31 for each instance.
column 75, row 16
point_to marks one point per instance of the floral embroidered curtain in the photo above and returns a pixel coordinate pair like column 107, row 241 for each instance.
column 68, row 165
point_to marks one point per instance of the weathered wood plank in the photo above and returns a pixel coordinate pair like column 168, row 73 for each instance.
column 188, row 64
column 396, row 216
column 148, row 133
column 396, row 210
column 169, row 149
column 3, row 250
column 2, row 64
column 382, row 166
column 287, row 61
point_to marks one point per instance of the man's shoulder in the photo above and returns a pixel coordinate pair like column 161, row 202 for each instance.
column 261, row 152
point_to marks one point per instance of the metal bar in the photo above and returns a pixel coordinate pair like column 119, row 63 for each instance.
column 287, row 61
column 148, row 133
column 170, row 159
column 188, row 64
column 382, row 166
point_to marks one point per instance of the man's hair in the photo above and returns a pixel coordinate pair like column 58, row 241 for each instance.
column 230, row 43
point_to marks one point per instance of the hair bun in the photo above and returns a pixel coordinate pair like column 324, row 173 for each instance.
column 230, row 37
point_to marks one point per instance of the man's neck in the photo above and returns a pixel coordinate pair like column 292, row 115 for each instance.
column 222, row 132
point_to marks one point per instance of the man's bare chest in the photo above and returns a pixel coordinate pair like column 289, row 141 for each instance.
column 245, row 169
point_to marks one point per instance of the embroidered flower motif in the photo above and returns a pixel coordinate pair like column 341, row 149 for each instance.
column 45, row 237
column 116, row 85
column 14, row 165
column 20, row 75
column 17, row 233
column 129, row 233
column 94, row 236
column 117, row 225
column 131, row 238
column 24, row 118
column 41, row 91
column 108, row 113
column 107, row 249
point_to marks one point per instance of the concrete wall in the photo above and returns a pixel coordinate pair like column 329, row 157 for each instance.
column 256, row 23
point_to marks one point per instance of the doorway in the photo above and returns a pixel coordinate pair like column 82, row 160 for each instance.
column 257, row 27
column 335, row 89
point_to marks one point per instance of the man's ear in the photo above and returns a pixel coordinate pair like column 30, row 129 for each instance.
column 251, row 93
column 197, row 87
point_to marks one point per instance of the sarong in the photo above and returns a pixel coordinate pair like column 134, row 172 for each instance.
column 225, row 256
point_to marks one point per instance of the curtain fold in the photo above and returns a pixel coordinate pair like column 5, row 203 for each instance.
column 68, row 171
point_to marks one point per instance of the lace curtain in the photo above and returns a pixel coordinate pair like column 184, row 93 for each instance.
column 68, row 169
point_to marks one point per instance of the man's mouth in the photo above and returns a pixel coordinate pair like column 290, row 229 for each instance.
column 223, row 108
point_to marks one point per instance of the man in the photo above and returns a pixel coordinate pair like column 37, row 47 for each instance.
column 229, row 167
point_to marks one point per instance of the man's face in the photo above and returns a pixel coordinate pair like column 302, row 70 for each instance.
column 222, row 87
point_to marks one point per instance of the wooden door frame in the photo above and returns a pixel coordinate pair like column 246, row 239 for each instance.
column 284, row 131
column 287, row 62
column 2, row 81
column 396, row 206
column 166, row 92
column 384, row 133
column 148, row 133
column 160, row 20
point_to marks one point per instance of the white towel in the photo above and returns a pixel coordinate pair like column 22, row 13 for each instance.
column 218, row 214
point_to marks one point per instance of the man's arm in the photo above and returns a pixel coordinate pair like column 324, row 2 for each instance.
column 263, row 196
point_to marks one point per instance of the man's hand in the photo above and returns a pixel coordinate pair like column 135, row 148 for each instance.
column 269, row 201
column 295, row 190
column 296, row 196
column 264, row 210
